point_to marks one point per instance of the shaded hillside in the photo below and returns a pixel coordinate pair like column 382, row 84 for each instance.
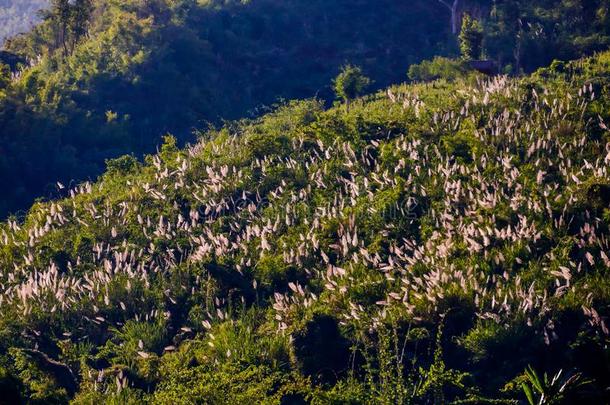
column 425, row 246
column 151, row 68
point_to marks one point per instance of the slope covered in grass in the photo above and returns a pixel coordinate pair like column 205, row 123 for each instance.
column 425, row 246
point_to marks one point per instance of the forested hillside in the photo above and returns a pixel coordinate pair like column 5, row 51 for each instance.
column 18, row 16
column 111, row 77
column 443, row 242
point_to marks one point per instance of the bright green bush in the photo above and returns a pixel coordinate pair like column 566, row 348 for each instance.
column 438, row 68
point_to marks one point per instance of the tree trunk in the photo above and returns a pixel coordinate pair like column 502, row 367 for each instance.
column 517, row 55
column 455, row 15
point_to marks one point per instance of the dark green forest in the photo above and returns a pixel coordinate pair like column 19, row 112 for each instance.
column 306, row 202
column 112, row 77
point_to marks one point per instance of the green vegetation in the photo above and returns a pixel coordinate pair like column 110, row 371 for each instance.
column 558, row 390
column 439, row 68
column 107, row 78
column 471, row 38
column 137, row 70
column 441, row 242
column 350, row 84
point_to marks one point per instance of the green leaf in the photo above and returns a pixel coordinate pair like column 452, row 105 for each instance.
column 528, row 393
column 534, row 379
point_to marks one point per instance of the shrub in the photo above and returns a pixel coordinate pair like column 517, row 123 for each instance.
column 320, row 349
column 122, row 165
column 350, row 83
column 438, row 68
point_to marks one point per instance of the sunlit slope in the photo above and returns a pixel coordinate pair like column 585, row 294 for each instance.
column 447, row 235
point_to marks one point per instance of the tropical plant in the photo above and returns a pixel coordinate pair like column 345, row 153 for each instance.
column 560, row 389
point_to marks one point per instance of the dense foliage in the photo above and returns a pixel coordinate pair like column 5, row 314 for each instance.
column 18, row 16
column 112, row 77
column 142, row 69
column 444, row 242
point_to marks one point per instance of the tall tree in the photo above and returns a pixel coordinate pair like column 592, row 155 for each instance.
column 80, row 14
column 70, row 22
column 60, row 13
column 454, row 8
column 471, row 38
